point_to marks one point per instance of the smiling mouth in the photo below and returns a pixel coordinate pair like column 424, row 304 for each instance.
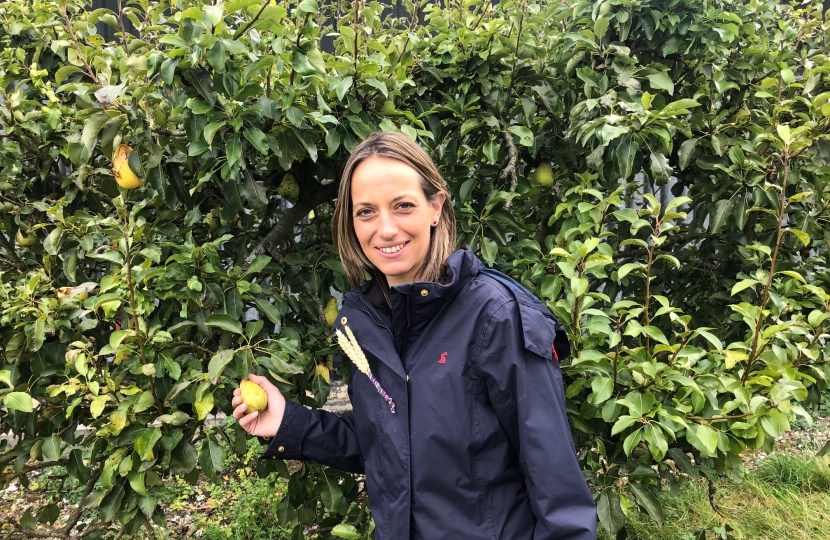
column 392, row 249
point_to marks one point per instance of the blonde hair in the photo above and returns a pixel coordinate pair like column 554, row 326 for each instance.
column 442, row 236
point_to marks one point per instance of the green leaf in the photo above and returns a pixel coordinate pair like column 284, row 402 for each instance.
column 344, row 530
column 19, row 401
column 526, row 137
column 219, row 361
column 268, row 309
column 743, row 284
column 703, row 438
column 145, row 443
column 627, row 269
column 660, row 168
column 301, row 63
column 609, row 511
column 233, row 149
column 783, row 131
column 710, row 338
column 603, row 387
column 624, row 157
column 601, row 27
column 723, row 209
column 112, row 502
column 661, row 81
column 225, row 322
column 632, row 440
column 183, row 457
column 75, row 467
column 6, row 377
column 257, row 138
column 332, row 496
column 638, row 403
column 168, row 70
column 212, row 458
column 623, row 423
column 258, row 264
column 790, row 273
column 647, row 500
column 51, row 448
column 685, row 152
column 211, row 129
column 802, row 236
column 136, row 480
column 92, row 126
column 681, row 106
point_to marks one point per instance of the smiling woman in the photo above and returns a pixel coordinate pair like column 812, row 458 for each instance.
column 393, row 220
column 459, row 411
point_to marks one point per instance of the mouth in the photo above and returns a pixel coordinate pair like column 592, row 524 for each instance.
column 392, row 250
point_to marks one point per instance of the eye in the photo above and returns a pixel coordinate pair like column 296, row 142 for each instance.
column 406, row 205
column 363, row 212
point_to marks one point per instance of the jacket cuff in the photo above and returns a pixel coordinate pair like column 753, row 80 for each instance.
column 288, row 442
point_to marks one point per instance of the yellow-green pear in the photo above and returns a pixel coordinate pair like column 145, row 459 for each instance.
column 26, row 240
column 543, row 175
column 331, row 311
column 253, row 395
column 289, row 188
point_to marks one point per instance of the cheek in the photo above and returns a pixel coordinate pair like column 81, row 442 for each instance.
column 363, row 232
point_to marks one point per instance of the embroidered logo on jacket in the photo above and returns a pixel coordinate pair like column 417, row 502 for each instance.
column 443, row 359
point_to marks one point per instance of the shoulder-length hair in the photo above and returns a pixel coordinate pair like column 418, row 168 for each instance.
column 442, row 237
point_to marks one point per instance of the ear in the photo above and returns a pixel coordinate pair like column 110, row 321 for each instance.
column 437, row 204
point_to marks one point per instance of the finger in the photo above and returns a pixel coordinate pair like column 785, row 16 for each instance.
column 239, row 411
column 247, row 421
column 236, row 401
column 259, row 379
column 237, row 392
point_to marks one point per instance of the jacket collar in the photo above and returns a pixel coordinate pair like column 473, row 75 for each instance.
column 413, row 306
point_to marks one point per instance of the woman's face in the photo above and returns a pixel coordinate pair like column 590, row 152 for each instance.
column 392, row 217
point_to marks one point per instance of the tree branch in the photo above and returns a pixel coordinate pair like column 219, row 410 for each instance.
column 6, row 245
column 283, row 230
column 513, row 156
column 241, row 31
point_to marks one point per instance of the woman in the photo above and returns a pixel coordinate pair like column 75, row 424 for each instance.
column 459, row 422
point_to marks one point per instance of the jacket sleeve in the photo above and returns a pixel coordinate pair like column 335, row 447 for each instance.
column 527, row 393
column 317, row 435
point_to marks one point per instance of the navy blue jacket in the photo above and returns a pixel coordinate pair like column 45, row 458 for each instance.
column 479, row 445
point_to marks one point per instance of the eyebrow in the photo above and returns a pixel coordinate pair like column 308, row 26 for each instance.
column 396, row 199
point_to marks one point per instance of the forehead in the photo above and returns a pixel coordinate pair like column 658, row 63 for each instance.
column 378, row 177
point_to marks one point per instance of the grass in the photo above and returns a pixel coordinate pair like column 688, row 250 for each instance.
column 787, row 497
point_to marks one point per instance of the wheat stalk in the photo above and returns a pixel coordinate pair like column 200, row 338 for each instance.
column 352, row 349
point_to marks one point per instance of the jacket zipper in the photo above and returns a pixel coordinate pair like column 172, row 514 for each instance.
column 374, row 320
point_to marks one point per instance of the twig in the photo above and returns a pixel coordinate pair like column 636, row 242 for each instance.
column 718, row 418
column 754, row 353
column 172, row 133
column 241, row 31
column 513, row 155
column 78, row 46
column 712, row 491
column 123, row 29
column 131, row 287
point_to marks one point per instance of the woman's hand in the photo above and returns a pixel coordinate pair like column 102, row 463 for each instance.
column 264, row 423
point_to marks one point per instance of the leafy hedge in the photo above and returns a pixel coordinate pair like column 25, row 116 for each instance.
column 684, row 241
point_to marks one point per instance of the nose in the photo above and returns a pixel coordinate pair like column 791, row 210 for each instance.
column 387, row 227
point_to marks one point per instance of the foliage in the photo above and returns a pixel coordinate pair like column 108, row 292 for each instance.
column 764, row 505
column 684, row 241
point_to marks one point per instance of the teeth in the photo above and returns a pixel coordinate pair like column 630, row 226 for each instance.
column 392, row 249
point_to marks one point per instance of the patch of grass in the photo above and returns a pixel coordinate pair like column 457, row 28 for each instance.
column 786, row 497
column 794, row 473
